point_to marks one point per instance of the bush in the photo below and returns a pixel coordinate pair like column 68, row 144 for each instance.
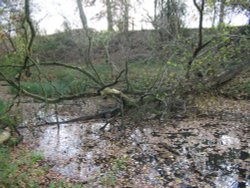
column 5, row 119
column 238, row 89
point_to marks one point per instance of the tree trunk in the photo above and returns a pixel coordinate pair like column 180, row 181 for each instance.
column 82, row 15
column 126, row 15
column 155, row 14
column 214, row 13
column 109, row 15
column 222, row 12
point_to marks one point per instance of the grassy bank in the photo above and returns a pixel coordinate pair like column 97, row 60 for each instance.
column 60, row 81
column 21, row 167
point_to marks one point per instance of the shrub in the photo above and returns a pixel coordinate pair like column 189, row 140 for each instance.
column 5, row 119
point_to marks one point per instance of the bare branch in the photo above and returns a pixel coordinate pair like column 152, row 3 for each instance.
column 200, row 45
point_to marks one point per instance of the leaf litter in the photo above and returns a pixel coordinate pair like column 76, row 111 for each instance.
column 210, row 149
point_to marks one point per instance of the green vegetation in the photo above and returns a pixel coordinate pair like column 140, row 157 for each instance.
column 55, row 83
column 62, row 184
column 5, row 119
column 14, row 59
column 21, row 171
column 22, row 168
column 158, row 73
column 239, row 88
column 8, row 121
column 118, row 165
column 66, row 82
column 53, row 88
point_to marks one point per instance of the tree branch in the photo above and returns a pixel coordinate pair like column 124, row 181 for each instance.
column 200, row 45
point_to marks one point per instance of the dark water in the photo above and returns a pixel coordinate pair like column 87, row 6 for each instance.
column 193, row 153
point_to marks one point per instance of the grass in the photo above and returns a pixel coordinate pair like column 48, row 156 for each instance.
column 19, row 169
column 61, row 81
column 58, row 82
column 141, row 75
column 22, row 168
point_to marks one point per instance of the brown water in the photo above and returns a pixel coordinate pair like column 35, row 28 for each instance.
column 202, row 152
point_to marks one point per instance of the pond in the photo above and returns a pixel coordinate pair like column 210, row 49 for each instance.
column 193, row 152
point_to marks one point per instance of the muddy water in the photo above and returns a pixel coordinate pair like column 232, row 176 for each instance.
column 203, row 152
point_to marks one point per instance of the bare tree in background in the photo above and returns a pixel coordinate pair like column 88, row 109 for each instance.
column 168, row 17
column 82, row 15
column 125, row 4
column 222, row 12
column 222, row 8
column 109, row 15
column 109, row 11
column 116, row 13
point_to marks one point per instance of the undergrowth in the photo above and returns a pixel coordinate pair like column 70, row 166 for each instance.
column 22, row 168
column 61, row 81
column 238, row 88
column 19, row 169
column 56, row 84
column 5, row 118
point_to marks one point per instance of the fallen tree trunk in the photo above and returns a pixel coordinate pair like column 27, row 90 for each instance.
column 116, row 93
column 104, row 114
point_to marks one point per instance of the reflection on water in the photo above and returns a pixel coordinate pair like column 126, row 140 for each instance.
column 229, row 142
column 186, row 156
column 66, row 145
